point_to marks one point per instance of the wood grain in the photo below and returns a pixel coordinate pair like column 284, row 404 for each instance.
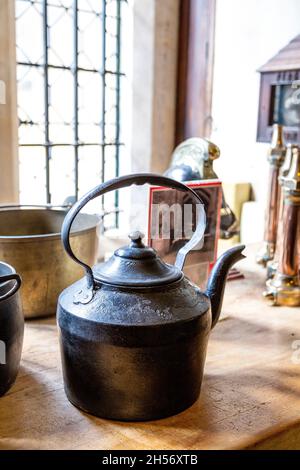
column 250, row 396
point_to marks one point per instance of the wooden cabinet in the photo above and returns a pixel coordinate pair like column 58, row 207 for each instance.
column 279, row 101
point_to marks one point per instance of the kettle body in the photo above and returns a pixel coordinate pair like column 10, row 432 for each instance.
column 134, row 356
column 133, row 333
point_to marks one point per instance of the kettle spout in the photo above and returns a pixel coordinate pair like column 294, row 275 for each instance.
column 216, row 283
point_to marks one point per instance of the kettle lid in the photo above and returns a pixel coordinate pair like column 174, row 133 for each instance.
column 136, row 265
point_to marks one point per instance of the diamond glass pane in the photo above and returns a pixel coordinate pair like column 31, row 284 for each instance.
column 31, row 134
column 110, row 198
column 60, row 22
column 62, row 3
column 62, row 175
column 125, row 37
column 32, row 175
column 30, row 94
column 90, row 41
column 61, row 106
column 110, row 162
column 111, row 108
column 90, row 95
column 124, row 109
column 90, row 171
column 94, row 6
column 29, row 32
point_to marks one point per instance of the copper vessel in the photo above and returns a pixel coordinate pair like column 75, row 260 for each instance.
column 284, row 287
column 273, row 265
column 276, row 158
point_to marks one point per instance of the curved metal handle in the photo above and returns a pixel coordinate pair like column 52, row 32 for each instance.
column 122, row 182
column 14, row 289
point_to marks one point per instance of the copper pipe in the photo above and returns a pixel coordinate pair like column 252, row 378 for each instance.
column 288, row 259
column 273, row 207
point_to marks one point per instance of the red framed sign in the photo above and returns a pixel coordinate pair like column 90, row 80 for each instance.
column 172, row 219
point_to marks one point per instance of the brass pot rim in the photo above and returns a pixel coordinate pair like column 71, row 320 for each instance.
column 48, row 236
column 45, row 237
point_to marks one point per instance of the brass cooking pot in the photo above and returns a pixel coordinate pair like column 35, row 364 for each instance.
column 30, row 241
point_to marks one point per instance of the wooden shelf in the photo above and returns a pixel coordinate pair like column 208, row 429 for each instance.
column 250, row 395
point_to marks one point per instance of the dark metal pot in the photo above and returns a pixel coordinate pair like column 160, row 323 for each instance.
column 11, row 326
column 134, row 332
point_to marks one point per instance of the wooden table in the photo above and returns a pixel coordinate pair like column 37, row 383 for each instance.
column 250, row 396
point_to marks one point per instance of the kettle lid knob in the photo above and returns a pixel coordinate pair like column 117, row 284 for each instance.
column 136, row 238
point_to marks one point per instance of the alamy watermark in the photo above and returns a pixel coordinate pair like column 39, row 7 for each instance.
column 174, row 221
column 295, row 357
column 2, row 352
column 170, row 221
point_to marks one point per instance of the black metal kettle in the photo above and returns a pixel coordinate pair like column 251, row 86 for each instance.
column 134, row 331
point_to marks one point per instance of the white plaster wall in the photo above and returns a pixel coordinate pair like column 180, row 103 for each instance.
column 248, row 33
column 152, row 99
column 155, row 27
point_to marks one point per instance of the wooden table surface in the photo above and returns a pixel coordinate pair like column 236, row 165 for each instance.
column 250, row 395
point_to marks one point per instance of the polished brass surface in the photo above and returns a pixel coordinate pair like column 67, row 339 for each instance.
column 284, row 287
column 277, row 151
column 276, row 158
column 283, row 290
column 30, row 241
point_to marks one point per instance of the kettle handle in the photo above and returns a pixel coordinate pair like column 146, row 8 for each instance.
column 122, row 182
column 14, row 289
